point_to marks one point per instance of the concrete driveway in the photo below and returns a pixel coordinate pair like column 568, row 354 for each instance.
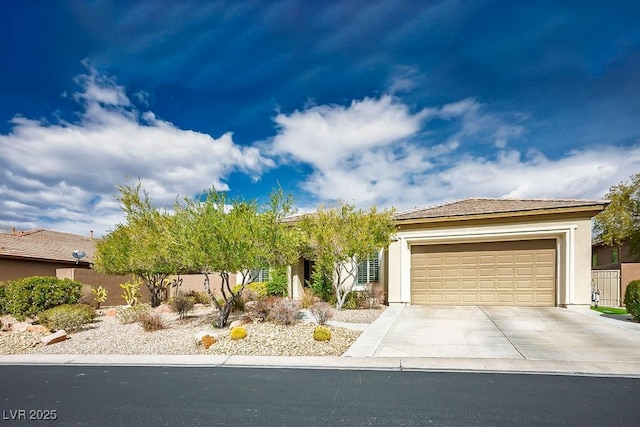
column 501, row 333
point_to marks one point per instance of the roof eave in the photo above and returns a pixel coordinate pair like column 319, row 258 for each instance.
column 593, row 209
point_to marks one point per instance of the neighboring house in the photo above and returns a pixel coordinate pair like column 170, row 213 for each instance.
column 485, row 252
column 41, row 253
column 618, row 259
column 50, row 253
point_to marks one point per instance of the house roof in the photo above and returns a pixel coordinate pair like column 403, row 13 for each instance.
column 45, row 245
column 477, row 208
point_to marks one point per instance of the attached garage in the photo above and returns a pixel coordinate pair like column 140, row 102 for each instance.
column 493, row 252
column 515, row 273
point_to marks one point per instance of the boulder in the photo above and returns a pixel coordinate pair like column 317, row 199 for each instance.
column 38, row 329
column 242, row 321
column 56, row 337
column 20, row 326
column 208, row 341
column 163, row 308
column 199, row 336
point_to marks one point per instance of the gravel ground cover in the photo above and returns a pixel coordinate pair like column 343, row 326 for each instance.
column 108, row 336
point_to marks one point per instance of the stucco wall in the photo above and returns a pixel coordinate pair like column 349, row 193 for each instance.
column 628, row 272
column 110, row 283
column 195, row 282
column 11, row 269
column 573, row 237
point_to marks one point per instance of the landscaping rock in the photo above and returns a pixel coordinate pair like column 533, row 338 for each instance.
column 20, row 327
column 56, row 337
column 163, row 308
column 39, row 329
column 201, row 334
column 242, row 321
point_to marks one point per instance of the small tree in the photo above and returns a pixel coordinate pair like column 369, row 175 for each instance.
column 340, row 238
column 619, row 223
column 144, row 245
column 236, row 238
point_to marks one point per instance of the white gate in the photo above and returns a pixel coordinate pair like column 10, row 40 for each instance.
column 608, row 283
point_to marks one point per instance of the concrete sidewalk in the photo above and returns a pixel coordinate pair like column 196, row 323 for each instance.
column 425, row 364
column 441, row 339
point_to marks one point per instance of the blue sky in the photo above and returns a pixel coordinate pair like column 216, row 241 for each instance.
column 404, row 104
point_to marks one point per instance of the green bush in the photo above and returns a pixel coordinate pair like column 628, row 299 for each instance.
column 201, row 297
column 278, row 285
column 32, row 295
column 632, row 299
column 69, row 317
column 131, row 313
column 3, row 299
column 322, row 285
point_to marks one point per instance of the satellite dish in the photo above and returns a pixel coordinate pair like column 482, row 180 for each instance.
column 77, row 255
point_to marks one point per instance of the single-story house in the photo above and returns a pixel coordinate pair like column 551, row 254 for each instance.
column 50, row 253
column 485, row 252
column 41, row 253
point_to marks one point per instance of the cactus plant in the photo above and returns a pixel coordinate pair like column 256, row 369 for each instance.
column 99, row 295
column 322, row 333
column 238, row 333
column 131, row 292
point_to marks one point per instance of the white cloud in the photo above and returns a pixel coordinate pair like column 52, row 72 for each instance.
column 377, row 152
column 64, row 174
column 323, row 135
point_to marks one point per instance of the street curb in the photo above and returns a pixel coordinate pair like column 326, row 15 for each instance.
column 405, row 364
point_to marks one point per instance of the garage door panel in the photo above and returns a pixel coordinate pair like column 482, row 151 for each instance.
column 498, row 273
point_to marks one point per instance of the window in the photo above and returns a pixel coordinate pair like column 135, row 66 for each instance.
column 594, row 260
column 614, row 255
column 260, row 275
column 369, row 270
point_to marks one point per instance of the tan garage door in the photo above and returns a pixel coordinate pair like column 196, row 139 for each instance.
column 499, row 273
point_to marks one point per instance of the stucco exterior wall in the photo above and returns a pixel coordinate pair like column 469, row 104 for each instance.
column 195, row 282
column 628, row 272
column 11, row 269
column 110, row 283
column 573, row 252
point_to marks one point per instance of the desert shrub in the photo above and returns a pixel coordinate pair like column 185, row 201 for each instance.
column 86, row 297
column 151, row 321
column 321, row 333
column 321, row 284
column 371, row 296
column 260, row 309
column 182, row 304
column 632, row 299
column 258, row 287
column 351, row 302
column 308, row 298
column 201, row 297
column 322, row 312
column 238, row 333
column 32, row 295
column 69, row 317
column 278, row 283
column 131, row 313
column 285, row 311
column 3, row 302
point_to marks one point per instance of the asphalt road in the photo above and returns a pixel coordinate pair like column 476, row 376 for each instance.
column 140, row 396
